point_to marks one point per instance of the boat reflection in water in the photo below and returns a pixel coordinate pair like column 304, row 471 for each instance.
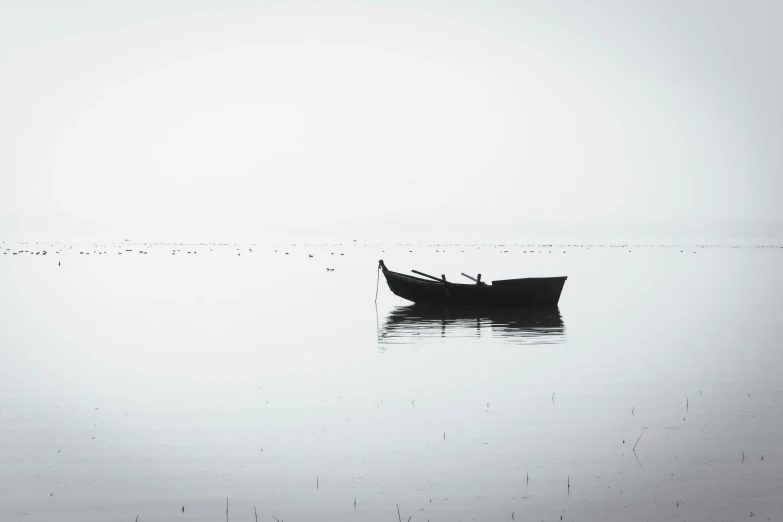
column 518, row 325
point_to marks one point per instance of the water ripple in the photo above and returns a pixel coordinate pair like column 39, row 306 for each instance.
column 525, row 325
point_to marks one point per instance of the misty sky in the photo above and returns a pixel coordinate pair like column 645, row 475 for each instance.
column 217, row 116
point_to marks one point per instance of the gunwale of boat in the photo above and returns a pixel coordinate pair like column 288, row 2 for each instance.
column 500, row 282
column 422, row 280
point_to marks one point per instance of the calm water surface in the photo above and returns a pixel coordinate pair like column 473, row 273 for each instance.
column 133, row 384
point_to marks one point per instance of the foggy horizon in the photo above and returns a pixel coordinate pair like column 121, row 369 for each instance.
column 152, row 119
column 401, row 228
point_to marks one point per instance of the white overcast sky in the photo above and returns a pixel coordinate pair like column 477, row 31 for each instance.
column 218, row 116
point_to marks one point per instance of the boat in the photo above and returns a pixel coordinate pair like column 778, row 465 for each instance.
column 537, row 291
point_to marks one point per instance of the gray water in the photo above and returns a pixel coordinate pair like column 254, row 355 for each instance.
column 133, row 384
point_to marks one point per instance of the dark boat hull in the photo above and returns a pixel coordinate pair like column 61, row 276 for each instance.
column 532, row 291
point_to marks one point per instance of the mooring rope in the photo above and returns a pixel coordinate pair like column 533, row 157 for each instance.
column 377, row 282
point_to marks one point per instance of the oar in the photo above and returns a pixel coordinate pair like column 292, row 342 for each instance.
column 477, row 281
column 438, row 279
